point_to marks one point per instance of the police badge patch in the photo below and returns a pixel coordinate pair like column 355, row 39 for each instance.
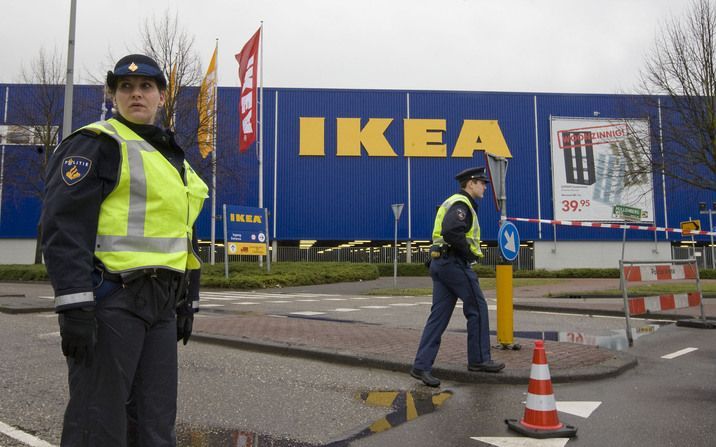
column 75, row 169
column 460, row 214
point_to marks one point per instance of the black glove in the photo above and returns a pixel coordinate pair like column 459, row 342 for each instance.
column 78, row 329
column 185, row 322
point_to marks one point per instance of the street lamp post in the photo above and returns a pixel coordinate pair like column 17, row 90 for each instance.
column 710, row 212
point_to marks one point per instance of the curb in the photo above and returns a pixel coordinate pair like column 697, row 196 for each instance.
column 619, row 363
column 605, row 312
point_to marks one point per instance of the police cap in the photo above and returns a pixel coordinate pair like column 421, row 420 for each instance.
column 136, row 65
column 473, row 173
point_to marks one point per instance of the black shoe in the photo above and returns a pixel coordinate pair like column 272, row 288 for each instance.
column 426, row 377
column 491, row 366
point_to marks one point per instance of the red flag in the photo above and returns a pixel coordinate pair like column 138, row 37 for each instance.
column 248, row 60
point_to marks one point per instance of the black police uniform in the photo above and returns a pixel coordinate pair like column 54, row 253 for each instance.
column 454, row 278
column 122, row 374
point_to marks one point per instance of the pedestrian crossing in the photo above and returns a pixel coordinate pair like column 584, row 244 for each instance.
column 315, row 303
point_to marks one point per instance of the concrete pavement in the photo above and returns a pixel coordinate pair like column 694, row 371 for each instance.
column 385, row 347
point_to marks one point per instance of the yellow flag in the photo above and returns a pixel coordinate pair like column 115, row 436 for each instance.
column 207, row 111
column 172, row 93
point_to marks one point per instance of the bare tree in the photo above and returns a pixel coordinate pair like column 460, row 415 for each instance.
column 168, row 43
column 39, row 109
column 679, row 77
column 165, row 40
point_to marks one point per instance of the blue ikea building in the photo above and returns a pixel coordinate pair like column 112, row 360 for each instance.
column 335, row 160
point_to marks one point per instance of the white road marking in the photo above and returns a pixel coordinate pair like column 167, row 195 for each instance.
column 581, row 409
column 523, row 442
column 308, row 313
column 278, row 302
column 333, row 299
column 49, row 335
column 211, row 305
column 345, row 309
column 374, row 307
column 245, row 303
column 23, row 437
column 307, row 301
column 47, row 297
column 403, row 304
column 673, row 355
column 314, row 294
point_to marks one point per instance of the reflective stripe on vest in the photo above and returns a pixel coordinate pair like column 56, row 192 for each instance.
column 146, row 221
column 472, row 235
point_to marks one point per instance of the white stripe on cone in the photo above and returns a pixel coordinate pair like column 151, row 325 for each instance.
column 539, row 372
column 541, row 402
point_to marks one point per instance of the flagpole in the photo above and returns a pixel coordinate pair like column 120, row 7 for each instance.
column 2, row 155
column 261, row 123
column 213, row 155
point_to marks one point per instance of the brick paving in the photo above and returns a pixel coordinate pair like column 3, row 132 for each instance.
column 382, row 346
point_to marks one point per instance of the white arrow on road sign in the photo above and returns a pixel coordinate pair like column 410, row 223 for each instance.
column 510, row 238
column 524, row 442
column 581, row 409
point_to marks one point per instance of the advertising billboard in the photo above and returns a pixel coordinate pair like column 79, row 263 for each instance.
column 599, row 165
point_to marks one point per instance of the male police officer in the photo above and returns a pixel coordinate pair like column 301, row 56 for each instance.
column 118, row 212
column 456, row 245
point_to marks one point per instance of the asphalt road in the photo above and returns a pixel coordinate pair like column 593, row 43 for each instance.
column 227, row 395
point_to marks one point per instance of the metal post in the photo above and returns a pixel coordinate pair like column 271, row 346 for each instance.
column 623, row 286
column 226, row 247
column 268, row 252
column 711, row 230
column 2, row 155
column 395, row 255
column 397, row 209
column 67, row 114
column 274, row 254
column 623, row 241
column 698, row 289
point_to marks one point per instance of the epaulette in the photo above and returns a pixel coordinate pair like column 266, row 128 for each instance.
column 90, row 132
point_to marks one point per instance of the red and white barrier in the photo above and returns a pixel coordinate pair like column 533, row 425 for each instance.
column 577, row 223
column 658, row 272
column 639, row 271
column 641, row 305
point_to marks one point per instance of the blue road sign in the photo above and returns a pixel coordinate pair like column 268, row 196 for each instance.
column 508, row 238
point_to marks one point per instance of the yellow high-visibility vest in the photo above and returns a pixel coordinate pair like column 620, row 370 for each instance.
column 472, row 235
column 147, row 220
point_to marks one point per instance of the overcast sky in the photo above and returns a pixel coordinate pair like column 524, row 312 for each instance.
column 592, row 46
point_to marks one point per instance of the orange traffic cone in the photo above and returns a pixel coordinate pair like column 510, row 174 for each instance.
column 540, row 419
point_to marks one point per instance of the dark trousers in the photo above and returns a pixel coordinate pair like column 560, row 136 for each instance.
column 128, row 394
column 452, row 279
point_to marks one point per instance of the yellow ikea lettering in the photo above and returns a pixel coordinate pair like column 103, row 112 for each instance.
column 350, row 137
column 247, row 218
column 421, row 138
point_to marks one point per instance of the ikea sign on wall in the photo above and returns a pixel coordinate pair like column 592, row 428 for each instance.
column 422, row 138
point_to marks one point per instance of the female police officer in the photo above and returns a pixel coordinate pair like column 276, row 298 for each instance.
column 119, row 207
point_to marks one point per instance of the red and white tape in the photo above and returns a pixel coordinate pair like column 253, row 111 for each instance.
column 574, row 223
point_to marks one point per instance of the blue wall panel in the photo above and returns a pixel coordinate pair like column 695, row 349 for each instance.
column 345, row 198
